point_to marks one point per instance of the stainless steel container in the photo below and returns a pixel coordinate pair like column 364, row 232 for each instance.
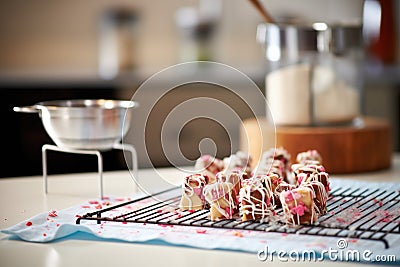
column 117, row 42
column 84, row 124
column 315, row 74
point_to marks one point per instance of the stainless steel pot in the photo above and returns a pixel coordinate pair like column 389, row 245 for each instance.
column 95, row 124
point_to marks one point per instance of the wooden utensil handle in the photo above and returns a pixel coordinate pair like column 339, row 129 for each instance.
column 264, row 13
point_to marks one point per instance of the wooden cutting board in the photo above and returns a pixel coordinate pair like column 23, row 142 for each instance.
column 344, row 149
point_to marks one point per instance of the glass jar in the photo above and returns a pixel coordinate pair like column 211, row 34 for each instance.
column 314, row 72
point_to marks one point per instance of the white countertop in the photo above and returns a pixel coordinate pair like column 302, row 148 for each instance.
column 23, row 197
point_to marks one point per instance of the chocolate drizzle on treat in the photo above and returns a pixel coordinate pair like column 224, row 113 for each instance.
column 275, row 161
column 310, row 155
column 209, row 166
column 240, row 162
column 192, row 192
column 255, row 201
column 320, row 195
column 298, row 206
column 222, row 200
column 301, row 189
column 303, row 171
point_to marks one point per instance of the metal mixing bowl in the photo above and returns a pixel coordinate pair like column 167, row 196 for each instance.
column 95, row 124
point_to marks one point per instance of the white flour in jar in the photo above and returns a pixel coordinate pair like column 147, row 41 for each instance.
column 288, row 95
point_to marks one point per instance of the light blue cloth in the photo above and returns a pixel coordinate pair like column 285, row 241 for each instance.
column 54, row 225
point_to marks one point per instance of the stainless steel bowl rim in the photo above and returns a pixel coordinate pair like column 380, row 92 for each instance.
column 78, row 104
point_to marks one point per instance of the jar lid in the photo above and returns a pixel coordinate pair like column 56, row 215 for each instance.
column 290, row 39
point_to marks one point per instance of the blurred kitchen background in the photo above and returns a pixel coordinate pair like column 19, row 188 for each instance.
column 107, row 48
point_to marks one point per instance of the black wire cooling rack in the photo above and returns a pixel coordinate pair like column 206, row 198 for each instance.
column 360, row 213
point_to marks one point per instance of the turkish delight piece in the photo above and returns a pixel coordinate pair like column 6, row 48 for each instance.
column 298, row 206
column 222, row 199
column 192, row 192
column 209, row 166
column 255, row 201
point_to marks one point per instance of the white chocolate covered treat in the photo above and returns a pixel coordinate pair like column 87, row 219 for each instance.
column 222, row 200
column 235, row 191
column 255, row 201
column 240, row 161
column 302, row 171
column 192, row 192
column 275, row 160
column 278, row 153
column 235, row 178
column 270, row 165
column 309, row 155
column 298, row 206
column 320, row 195
column 282, row 186
column 321, row 177
column 209, row 166
column 276, row 185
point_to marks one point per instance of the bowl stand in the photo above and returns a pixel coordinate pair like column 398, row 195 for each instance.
column 123, row 147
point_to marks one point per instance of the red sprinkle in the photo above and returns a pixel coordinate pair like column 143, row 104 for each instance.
column 199, row 231
column 85, row 207
column 191, row 211
column 53, row 213
column 341, row 220
column 28, row 223
column 58, row 225
column 99, row 207
column 386, row 213
column 93, row 202
column 379, row 202
column 44, row 234
column 165, row 225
